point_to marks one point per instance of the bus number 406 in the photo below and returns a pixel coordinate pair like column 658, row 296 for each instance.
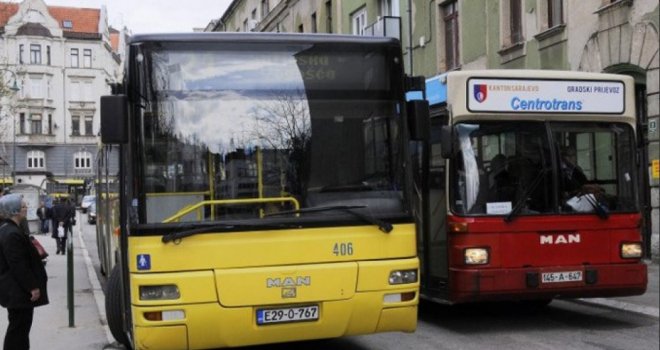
column 342, row 249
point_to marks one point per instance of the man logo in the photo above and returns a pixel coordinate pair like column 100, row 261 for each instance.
column 560, row 239
column 288, row 293
column 480, row 92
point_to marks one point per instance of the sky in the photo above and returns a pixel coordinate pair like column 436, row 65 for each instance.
column 154, row 16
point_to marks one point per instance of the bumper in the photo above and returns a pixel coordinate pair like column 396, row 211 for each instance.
column 210, row 325
column 470, row 285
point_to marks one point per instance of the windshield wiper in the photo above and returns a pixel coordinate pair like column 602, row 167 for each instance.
column 599, row 208
column 361, row 187
column 384, row 226
column 523, row 200
column 174, row 236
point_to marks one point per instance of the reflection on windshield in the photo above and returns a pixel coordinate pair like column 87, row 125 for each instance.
column 507, row 165
column 220, row 128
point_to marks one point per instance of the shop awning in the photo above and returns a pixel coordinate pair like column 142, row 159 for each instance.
column 72, row 181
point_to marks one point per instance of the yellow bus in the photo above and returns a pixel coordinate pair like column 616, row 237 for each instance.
column 264, row 190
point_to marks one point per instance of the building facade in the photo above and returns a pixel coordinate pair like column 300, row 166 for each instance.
column 613, row 36
column 62, row 59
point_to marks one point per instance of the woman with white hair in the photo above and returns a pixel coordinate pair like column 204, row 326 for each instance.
column 22, row 275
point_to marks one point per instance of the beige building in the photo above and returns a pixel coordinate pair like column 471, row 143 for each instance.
column 62, row 60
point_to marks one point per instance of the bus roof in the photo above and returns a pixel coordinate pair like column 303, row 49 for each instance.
column 234, row 37
column 534, row 95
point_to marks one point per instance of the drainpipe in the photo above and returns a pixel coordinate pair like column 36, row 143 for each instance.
column 410, row 37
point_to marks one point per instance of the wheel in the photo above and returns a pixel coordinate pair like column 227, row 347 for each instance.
column 113, row 309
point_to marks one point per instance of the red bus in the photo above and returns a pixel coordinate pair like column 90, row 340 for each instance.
column 532, row 188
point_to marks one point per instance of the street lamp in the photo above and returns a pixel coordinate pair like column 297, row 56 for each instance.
column 14, row 89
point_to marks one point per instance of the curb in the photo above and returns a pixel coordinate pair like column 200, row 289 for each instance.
column 620, row 305
column 99, row 297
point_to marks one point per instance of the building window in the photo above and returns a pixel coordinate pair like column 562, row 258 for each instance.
column 50, row 124
column 35, row 54
column 264, row 8
column 359, row 21
column 450, row 18
column 48, row 55
column 301, row 29
column 67, row 24
column 555, row 13
column 75, row 125
column 314, row 27
column 75, row 60
column 36, row 160
column 82, row 160
column 87, row 58
column 515, row 21
column 328, row 18
column 254, row 14
column 21, row 128
column 35, row 124
column 37, row 88
column 21, row 49
column 89, row 122
column 245, row 25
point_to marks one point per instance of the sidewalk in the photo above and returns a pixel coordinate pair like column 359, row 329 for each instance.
column 50, row 329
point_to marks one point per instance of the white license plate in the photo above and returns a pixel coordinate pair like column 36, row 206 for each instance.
column 288, row 314
column 556, row 277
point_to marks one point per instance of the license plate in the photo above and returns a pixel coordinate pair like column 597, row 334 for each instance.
column 566, row 276
column 288, row 314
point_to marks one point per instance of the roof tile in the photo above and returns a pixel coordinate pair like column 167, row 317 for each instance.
column 84, row 20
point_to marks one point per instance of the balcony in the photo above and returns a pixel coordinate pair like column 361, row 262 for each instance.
column 36, row 139
column 386, row 26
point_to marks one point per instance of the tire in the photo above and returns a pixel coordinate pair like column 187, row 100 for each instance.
column 113, row 309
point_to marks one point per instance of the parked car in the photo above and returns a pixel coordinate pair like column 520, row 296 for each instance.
column 91, row 214
column 86, row 202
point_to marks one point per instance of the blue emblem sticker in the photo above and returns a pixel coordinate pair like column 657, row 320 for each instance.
column 144, row 262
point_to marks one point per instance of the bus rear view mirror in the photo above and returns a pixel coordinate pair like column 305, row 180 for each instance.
column 114, row 118
column 418, row 119
column 446, row 141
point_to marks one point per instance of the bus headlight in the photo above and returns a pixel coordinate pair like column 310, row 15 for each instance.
column 403, row 276
column 164, row 292
column 476, row 256
column 631, row 250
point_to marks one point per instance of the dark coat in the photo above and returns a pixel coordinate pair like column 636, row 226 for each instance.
column 62, row 212
column 43, row 213
column 21, row 269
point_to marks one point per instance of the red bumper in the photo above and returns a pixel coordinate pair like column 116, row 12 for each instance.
column 470, row 285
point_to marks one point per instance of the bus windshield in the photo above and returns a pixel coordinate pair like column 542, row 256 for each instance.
column 239, row 131
column 544, row 168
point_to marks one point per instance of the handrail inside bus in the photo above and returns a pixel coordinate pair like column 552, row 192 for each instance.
column 189, row 209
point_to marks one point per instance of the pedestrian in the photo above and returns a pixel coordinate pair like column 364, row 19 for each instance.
column 43, row 214
column 62, row 216
column 23, row 277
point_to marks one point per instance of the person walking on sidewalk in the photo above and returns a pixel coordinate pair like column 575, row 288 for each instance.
column 23, row 277
column 44, row 214
column 63, row 215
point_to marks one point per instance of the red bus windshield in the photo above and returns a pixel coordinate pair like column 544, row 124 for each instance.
column 543, row 168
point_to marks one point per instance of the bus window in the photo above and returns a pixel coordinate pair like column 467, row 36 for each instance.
column 590, row 161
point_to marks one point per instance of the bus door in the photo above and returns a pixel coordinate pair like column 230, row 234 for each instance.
column 433, row 252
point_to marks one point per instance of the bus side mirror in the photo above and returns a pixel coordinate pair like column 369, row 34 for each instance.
column 114, row 119
column 446, row 141
column 419, row 122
